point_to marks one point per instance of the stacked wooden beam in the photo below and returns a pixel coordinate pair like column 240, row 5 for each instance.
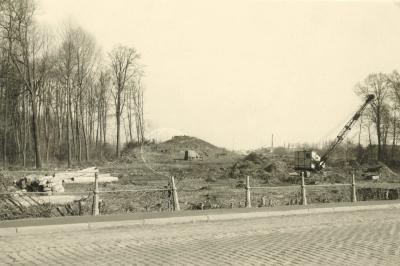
column 83, row 176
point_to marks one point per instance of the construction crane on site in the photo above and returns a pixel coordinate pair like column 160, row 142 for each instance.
column 309, row 161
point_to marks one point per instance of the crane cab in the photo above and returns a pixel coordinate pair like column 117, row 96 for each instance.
column 306, row 160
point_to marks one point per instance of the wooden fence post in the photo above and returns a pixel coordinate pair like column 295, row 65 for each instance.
column 95, row 207
column 353, row 189
column 303, row 190
column 175, row 195
column 80, row 210
column 248, row 198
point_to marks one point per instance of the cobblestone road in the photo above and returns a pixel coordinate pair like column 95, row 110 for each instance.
column 356, row 238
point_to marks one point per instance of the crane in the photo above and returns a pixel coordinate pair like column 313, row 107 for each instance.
column 308, row 160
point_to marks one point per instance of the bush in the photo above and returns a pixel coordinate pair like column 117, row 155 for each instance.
column 130, row 146
column 108, row 151
column 134, row 144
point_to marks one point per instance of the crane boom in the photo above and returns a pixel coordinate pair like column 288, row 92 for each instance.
column 342, row 134
column 308, row 161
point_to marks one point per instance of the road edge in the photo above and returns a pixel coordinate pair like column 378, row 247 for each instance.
column 186, row 219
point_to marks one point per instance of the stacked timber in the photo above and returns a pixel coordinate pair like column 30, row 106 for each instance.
column 40, row 183
column 84, row 176
column 54, row 183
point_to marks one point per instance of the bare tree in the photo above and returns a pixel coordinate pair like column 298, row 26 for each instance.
column 394, row 83
column 54, row 99
column 31, row 59
column 85, row 54
column 8, row 24
column 102, row 108
column 67, row 67
column 377, row 84
column 138, row 99
column 123, row 60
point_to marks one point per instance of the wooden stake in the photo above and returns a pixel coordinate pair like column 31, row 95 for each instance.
column 353, row 190
column 248, row 198
column 175, row 195
column 303, row 190
column 95, row 207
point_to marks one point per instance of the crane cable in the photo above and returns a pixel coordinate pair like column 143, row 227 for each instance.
column 336, row 128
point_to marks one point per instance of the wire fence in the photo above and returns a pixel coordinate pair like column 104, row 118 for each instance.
column 96, row 198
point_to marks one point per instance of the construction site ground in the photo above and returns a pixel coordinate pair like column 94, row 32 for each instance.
column 217, row 181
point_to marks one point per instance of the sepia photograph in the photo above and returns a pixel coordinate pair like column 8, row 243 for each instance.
column 199, row 132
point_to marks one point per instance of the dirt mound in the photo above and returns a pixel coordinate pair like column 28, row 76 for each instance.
column 179, row 144
column 174, row 149
column 189, row 143
column 168, row 158
column 264, row 166
column 386, row 173
column 256, row 158
column 277, row 167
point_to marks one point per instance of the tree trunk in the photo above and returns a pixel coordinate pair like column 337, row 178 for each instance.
column 97, row 133
column 24, row 131
column 142, row 123
column 394, row 139
column 46, row 136
column 68, row 130
column 5, row 128
column 118, row 116
column 100, row 125
column 77, row 133
column 129, row 113
column 84, row 135
column 71, row 121
column 36, row 132
column 105, row 125
column 58, row 108
column 359, row 132
column 379, row 137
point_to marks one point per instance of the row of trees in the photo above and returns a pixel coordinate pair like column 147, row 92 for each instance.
column 378, row 130
column 377, row 133
column 57, row 91
column 381, row 119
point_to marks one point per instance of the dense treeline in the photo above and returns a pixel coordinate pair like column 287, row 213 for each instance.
column 57, row 91
column 58, row 94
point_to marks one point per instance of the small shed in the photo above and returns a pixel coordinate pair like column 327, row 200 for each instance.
column 191, row 155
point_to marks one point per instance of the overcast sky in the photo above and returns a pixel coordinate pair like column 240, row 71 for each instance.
column 234, row 72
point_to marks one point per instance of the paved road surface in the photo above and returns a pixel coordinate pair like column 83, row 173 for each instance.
column 355, row 238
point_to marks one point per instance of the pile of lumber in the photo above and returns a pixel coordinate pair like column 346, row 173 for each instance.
column 40, row 183
column 83, row 176
column 54, row 183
